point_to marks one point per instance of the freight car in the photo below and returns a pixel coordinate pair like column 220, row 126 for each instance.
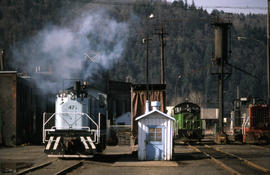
column 251, row 121
column 78, row 126
column 188, row 125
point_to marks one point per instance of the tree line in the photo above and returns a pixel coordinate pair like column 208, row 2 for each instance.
column 189, row 48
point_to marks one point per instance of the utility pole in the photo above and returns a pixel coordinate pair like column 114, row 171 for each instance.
column 268, row 51
column 162, row 35
column 147, row 66
column 146, row 41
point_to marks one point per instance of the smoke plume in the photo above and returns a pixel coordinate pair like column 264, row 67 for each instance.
column 92, row 41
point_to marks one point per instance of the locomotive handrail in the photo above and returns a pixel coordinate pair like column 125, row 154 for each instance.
column 87, row 116
column 53, row 128
column 74, row 113
column 244, row 125
column 48, row 118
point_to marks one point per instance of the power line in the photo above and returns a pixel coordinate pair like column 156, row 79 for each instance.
column 119, row 3
column 238, row 7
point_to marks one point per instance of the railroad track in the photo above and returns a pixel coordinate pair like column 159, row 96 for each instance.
column 230, row 162
column 53, row 167
column 264, row 147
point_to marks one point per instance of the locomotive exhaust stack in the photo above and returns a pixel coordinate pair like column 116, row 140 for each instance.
column 77, row 87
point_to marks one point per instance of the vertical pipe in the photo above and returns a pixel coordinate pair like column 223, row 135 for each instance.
column 237, row 121
column 2, row 68
column 98, row 139
column 162, row 55
column 237, row 93
column 43, row 128
column 147, row 57
column 232, row 122
column 221, row 49
column 219, row 58
column 268, row 51
column 220, row 91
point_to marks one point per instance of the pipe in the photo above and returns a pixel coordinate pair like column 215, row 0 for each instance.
column 98, row 139
column 2, row 67
column 155, row 105
column 146, row 106
column 268, row 50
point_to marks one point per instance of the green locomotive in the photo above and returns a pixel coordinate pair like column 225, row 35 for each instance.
column 188, row 125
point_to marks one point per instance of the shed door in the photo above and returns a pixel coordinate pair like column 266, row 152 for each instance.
column 154, row 143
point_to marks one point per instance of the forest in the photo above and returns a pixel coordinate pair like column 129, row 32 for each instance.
column 189, row 44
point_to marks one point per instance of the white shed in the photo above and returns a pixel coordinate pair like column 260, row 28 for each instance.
column 155, row 135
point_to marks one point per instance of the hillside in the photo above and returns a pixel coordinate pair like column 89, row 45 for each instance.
column 188, row 50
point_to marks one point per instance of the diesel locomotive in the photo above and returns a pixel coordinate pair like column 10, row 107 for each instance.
column 188, row 125
column 78, row 126
column 251, row 121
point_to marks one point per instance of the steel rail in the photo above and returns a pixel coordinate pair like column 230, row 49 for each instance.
column 258, row 167
column 218, row 162
column 261, row 147
column 70, row 168
column 28, row 170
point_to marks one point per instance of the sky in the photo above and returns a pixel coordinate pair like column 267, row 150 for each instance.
column 233, row 6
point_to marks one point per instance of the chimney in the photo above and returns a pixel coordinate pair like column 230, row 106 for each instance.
column 155, row 105
column 146, row 106
column 2, row 68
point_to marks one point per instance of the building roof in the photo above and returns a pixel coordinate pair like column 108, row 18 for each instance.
column 151, row 87
column 8, row 72
column 153, row 111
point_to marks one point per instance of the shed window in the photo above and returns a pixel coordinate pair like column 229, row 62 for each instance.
column 155, row 134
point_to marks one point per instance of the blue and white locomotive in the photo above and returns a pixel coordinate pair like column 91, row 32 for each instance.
column 78, row 126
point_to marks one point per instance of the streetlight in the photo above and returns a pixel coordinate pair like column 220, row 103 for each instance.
column 241, row 38
column 151, row 16
column 176, row 83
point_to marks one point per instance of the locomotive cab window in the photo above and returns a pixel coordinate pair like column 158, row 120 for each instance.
column 177, row 110
column 101, row 101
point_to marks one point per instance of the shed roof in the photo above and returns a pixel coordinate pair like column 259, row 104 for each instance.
column 153, row 111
